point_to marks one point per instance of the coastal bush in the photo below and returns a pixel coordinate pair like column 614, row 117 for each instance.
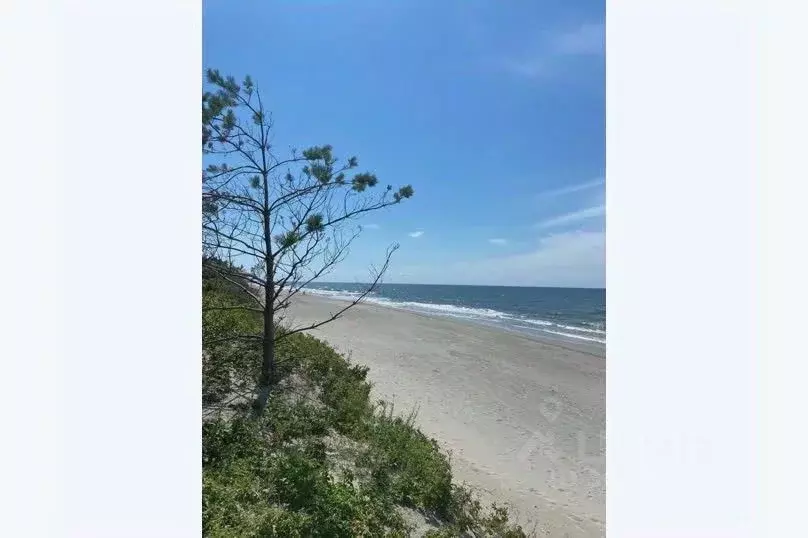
column 233, row 286
column 467, row 516
column 342, row 387
column 402, row 465
column 254, row 488
column 293, row 420
column 272, row 475
column 228, row 362
column 405, row 463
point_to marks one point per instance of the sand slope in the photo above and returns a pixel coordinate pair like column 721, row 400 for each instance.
column 524, row 420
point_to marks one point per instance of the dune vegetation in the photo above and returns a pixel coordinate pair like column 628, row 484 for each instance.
column 323, row 458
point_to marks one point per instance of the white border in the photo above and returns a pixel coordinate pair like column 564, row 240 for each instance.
column 102, row 141
column 706, row 373
column 696, row 337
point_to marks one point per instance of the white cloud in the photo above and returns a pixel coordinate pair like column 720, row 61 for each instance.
column 498, row 241
column 586, row 185
column 575, row 216
column 417, row 234
column 574, row 259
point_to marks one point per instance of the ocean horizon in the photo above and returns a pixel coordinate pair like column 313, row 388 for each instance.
column 573, row 314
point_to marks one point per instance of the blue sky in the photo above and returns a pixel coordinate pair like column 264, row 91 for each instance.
column 493, row 111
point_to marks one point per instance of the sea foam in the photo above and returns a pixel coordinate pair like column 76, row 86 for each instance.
column 536, row 326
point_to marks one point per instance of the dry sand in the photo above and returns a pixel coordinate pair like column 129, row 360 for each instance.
column 524, row 420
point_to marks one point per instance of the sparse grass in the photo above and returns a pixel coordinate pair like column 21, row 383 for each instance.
column 272, row 476
column 405, row 464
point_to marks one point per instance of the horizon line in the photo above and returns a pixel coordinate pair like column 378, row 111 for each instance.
column 478, row 285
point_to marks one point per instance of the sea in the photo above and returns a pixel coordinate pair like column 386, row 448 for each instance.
column 572, row 314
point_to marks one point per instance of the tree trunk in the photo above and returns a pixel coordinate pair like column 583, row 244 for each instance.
column 268, row 351
column 268, row 354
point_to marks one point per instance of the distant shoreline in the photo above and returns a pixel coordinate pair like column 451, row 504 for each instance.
column 594, row 348
column 470, row 285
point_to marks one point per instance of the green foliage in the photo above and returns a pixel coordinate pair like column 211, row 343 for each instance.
column 237, row 479
column 317, row 153
column 254, row 488
column 271, row 475
column 293, row 420
column 362, row 181
column 406, row 464
column 321, row 172
column 302, row 476
column 404, row 192
column 224, row 443
column 227, row 359
column 218, row 104
column 288, row 239
column 348, row 510
column 343, row 387
column 314, row 223
column 467, row 516
column 217, row 324
column 221, row 125
column 213, row 270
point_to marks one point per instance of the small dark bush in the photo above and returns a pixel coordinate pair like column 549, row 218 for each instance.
column 224, row 442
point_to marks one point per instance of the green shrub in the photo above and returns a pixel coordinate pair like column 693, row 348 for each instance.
column 346, row 510
column 300, row 478
column 465, row 516
column 224, row 442
column 227, row 362
column 270, row 476
column 287, row 420
column 406, row 464
column 254, row 488
column 237, row 478
column 217, row 324
column 343, row 387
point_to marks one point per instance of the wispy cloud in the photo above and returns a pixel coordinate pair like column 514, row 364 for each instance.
column 498, row 241
column 417, row 234
column 370, row 226
column 573, row 188
column 562, row 259
column 574, row 216
column 587, row 39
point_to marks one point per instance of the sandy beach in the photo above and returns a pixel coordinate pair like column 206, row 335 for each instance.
column 523, row 419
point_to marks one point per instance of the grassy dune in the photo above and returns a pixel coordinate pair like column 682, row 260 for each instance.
column 324, row 460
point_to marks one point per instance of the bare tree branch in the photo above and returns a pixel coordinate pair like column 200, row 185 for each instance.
column 282, row 218
column 353, row 303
